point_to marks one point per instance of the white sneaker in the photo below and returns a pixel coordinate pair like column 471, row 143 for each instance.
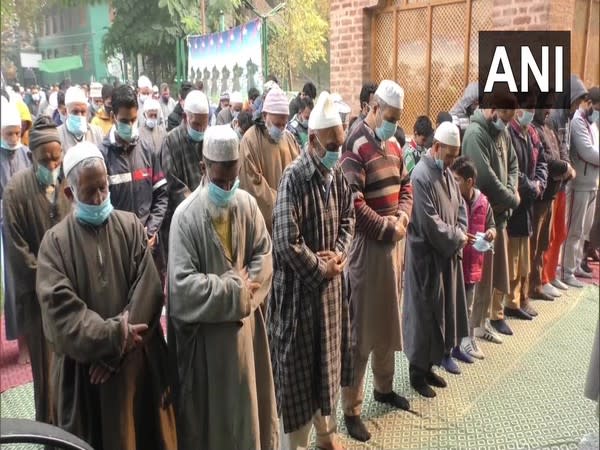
column 573, row 282
column 469, row 346
column 579, row 272
column 559, row 285
column 550, row 290
column 488, row 333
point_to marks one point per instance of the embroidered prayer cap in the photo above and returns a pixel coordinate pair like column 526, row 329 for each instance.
column 196, row 102
column 276, row 102
column 43, row 131
column 151, row 105
column 221, row 144
column 269, row 85
column 75, row 95
column 391, row 93
column 96, row 90
column 78, row 153
column 144, row 82
column 236, row 97
column 325, row 113
column 447, row 133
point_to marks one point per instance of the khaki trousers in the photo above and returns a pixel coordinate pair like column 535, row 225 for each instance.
column 325, row 427
column 382, row 364
column 518, row 271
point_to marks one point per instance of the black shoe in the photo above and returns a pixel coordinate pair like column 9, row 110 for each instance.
column 393, row 399
column 585, row 267
column 433, row 379
column 421, row 386
column 517, row 313
column 356, row 428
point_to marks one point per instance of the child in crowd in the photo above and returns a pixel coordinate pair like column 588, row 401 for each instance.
column 480, row 220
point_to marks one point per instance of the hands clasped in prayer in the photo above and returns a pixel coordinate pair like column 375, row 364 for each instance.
column 132, row 338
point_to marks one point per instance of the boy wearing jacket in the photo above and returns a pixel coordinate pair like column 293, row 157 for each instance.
column 480, row 220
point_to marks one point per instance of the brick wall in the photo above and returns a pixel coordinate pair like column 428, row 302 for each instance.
column 350, row 36
column 350, row 43
column 533, row 14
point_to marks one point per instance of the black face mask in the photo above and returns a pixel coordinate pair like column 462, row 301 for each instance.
column 470, row 110
column 107, row 109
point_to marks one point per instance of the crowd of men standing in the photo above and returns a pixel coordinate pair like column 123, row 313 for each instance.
column 289, row 246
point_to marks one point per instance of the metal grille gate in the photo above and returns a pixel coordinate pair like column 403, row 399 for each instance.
column 430, row 48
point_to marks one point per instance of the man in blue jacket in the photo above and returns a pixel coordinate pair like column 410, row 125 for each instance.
column 136, row 179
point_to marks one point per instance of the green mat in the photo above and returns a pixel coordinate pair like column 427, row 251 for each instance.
column 526, row 394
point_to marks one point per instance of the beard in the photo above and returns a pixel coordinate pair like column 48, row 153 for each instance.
column 218, row 213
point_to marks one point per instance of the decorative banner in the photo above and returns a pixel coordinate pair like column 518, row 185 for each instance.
column 227, row 62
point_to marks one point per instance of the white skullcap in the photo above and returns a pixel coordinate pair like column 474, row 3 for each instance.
column 341, row 106
column 10, row 116
column 155, row 88
column 391, row 93
column 269, row 85
column 75, row 95
column 236, row 97
column 96, row 90
column 276, row 102
column 151, row 105
column 221, row 144
column 144, row 82
column 78, row 153
column 196, row 103
column 447, row 133
column 325, row 114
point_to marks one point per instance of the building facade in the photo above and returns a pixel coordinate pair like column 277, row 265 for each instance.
column 430, row 47
column 75, row 31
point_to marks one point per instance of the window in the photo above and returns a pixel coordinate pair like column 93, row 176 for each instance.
column 62, row 23
column 54, row 24
column 82, row 16
column 49, row 30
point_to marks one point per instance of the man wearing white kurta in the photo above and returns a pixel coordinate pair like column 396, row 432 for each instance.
column 220, row 271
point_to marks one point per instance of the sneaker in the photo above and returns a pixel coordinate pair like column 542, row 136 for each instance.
column 457, row 353
column 501, row 326
column 573, row 282
column 579, row 272
column 488, row 333
column 549, row 289
column 559, row 285
column 517, row 313
column 450, row 365
column 529, row 310
column 469, row 346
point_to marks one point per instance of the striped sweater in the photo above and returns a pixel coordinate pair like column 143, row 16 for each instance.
column 379, row 181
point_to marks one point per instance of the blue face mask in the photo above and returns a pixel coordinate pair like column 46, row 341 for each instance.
column 275, row 133
column 8, row 146
column 151, row 123
column 440, row 164
column 386, row 130
column 63, row 118
column 46, row 176
column 481, row 245
column 76, row 125
column 499, row 124
column 526, row 118
column 93, row 214
column 196, row 136
column 126, row 131
column 330, row 159
column 221, row 197
column 594, row 116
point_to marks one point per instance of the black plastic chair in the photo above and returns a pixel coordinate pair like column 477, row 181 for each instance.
column 24, row 431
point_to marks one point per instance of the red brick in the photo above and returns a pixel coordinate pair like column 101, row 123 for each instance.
column 521, row 20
